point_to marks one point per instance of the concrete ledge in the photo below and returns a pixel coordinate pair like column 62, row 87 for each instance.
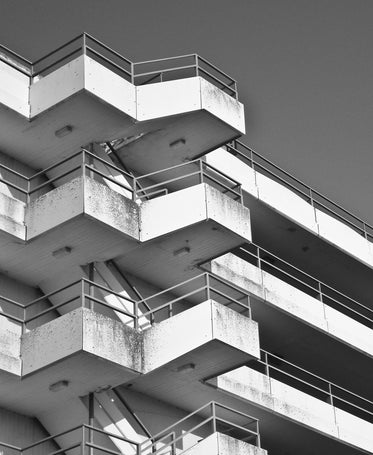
column 81, row 330
column 221, row 444
column 193, row 205
column 195, row 328
column 297, row 406
column 82, row 197
column 294, row 302
column 288, row 204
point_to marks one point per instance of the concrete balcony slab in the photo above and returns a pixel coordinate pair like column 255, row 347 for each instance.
column 99, row 105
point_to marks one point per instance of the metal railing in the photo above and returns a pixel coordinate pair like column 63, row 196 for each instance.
column 287, row 272
column 280, row 369
column 210, row 418
column 85, row 163
column 81, row 163
column 187, row 174
column 313, row 197
column 81, row 439
column 139, row 73
column 85, row 293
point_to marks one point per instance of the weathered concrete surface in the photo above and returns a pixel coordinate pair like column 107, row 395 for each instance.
column 110, row 207
column 81, row 330
column 196, row 327
column 12, row 216
column 294, row 302
column 297, row 406
column 10, row 342
column 82, row 197
column 222, row 444
column 189, row 206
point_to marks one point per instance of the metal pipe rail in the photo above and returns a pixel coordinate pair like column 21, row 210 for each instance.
column 216, row 421
column 137, row 73
column 191, row 173
column 312, row 196
column 83, row 438
column 85, row 293
column 277, row 367
column 269, row 262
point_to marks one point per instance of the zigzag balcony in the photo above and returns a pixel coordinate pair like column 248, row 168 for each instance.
column 214, row 429
column 86, row 92
column 92, row 336
column 85, row 200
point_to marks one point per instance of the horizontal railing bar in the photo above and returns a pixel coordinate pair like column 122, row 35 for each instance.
column 14, row 54
column 46, row 296
column 108, row 60
column 163, row 71
column 235, row 425
column 63, row 161
column 50, row 309
column 17, row 174
column 106, row 163
column 308, row 187
column 229, row 189
column 48, row 438
column 168, row 169
column 16, row 66
column 112, row 307
column 108, row 177
column 216, row 79
column 108, row 433
column 165, row 182
column 65, row 57
column 101, row 448
column 319, row 283
column 235, row 411
column 218, row 171
column 165, row 59
column 76, row 38
column 58, row 177
column 12, row 185
column 311, row 374
column 216, row 68
column 100, row 43
column 110, row 291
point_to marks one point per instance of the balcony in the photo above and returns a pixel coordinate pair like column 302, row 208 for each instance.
column 299, row 224
column 335, row 326
column 85, row 200
column 85, row 92
column 294, row 395
column 86, row 324
column 214, row 429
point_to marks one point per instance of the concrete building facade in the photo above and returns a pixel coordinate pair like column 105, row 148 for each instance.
column 164, row 288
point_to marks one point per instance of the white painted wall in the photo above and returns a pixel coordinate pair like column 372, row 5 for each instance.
column 290, row 205
column 14, row 89
column 294, row 302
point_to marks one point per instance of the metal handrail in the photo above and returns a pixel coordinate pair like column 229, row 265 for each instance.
column 199, row 65
column 82, row 441
column 204, row 171
column 332, row 388
column 212, row 287
column 314, row 197
column 319, row 289
column 211, row 408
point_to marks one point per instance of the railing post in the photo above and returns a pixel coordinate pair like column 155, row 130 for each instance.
column 84, row 47
column 134, row 191
column 28, row 196
column 258, row 257
column 208, row 291
column 136, row 311
column 266, row 363
column 365, row 231
column 196, row 63
column 213, row 412
column 311, row 197
column 320, row 292
column 200, row 171
column 83, row 292
column 91, row 273
column 132, row 73
column 91, row 415
column 331, row 394
column 82, row 445
column 258, row 442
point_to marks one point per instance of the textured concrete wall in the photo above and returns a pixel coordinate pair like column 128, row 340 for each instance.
column 12, row 216
column 221, row 444
column 173, row 337
column 296, row 303
column 297, row 406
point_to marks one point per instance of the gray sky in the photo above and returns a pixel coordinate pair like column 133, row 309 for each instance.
column 304, row 69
